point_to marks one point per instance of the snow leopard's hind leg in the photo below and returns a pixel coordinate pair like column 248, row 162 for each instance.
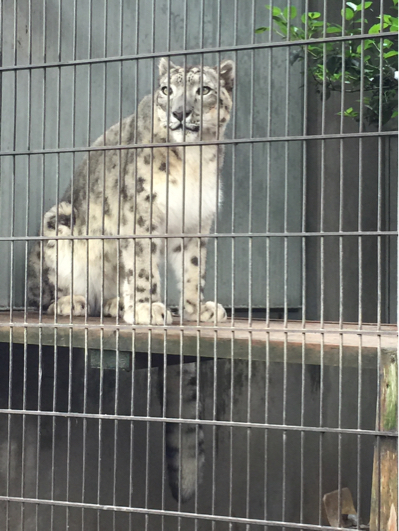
column 184, row 442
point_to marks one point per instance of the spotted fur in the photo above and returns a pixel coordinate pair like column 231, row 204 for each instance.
column 140, row 194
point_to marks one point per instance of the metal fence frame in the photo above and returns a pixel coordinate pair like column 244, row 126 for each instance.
column 156, row 346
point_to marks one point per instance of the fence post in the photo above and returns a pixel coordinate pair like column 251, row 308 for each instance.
column 384, row 491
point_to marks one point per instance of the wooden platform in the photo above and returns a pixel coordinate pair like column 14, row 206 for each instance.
column 293, row 342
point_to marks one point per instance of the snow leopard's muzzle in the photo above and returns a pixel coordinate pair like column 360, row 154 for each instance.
column 180, row 121
column 182, row 116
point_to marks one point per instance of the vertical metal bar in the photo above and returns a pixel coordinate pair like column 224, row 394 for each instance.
column 266, row 421
column 74, row 40
column 340, row 266
column 9, row 423
column 101, row 383
column 286, row 164
column 322, row 171
column 339, row 464
column 303, row 264
column 100, row 428
column 84, row 423
column 12, row 219
column 233, row 278
column 23, row 443
column 359, row 426
column 166, row 272
column 250, row 270
column 132, row 386
column 360, row 357
column 28, row 172
column 43, row 161
column 321, row 423
column 322, row 271
column 341, row 184
column 268, row 169
column 88, row 155
column 380, row 176
column 131, row 431
column 286, row 242
column 250, row 183
column 148, row 423
column 233, row 182
column 218, row 37
column 104, row 156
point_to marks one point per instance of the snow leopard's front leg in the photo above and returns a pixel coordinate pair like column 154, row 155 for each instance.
column 194, row 263
column 141, row 286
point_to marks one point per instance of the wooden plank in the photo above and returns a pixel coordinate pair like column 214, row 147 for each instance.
column 384, row 494
column 241, row 340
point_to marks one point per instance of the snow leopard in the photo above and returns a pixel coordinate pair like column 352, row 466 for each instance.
column 108, row 227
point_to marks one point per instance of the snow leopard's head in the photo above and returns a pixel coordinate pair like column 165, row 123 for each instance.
column 194, row 102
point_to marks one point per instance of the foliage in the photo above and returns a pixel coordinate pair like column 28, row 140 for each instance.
column 353, row 65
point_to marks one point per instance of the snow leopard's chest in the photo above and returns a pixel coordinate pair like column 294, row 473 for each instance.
column 187, row 196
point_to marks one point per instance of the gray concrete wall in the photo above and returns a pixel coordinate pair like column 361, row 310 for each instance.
column 347, row 180
column 70, row 107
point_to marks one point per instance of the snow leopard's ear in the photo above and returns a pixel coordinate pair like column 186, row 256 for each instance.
column 227, row 72
column 164, row 65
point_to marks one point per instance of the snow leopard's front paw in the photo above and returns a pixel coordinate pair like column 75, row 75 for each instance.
column 155, row 314
column 207, row 312
column 112, row 308
column 76, row 303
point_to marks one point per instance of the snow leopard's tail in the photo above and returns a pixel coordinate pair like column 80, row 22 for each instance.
column 184, row 441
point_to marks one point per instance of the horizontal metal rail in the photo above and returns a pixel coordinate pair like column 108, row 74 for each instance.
column 224, row 142
column 196, row 51
column 162, row 512
column 203, row 422
column 358, row 234
column 209, row 327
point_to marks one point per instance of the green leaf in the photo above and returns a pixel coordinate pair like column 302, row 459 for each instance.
column 350, row 113
column 312, row 15
column 391, row 53
column 368, row 43
column 334, row 29
column 282, row 25
column 349, row 13
column 366, row 5
column 292, row 14
column 352, row 6
column 261, row 30
column 276, row 10
column 375, row 29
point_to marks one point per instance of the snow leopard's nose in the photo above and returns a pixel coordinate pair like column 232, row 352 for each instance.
column 179, row 114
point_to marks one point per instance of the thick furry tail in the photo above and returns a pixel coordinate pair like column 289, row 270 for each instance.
column 185, row 455
column 42, row 258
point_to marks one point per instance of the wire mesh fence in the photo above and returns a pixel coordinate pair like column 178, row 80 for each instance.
column 199, row 265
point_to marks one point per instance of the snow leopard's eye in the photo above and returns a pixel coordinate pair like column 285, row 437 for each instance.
column 167, row 90
column 204, row 90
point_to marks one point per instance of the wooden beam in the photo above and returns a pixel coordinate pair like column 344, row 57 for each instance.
column 384, row 494
column 273, row 341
